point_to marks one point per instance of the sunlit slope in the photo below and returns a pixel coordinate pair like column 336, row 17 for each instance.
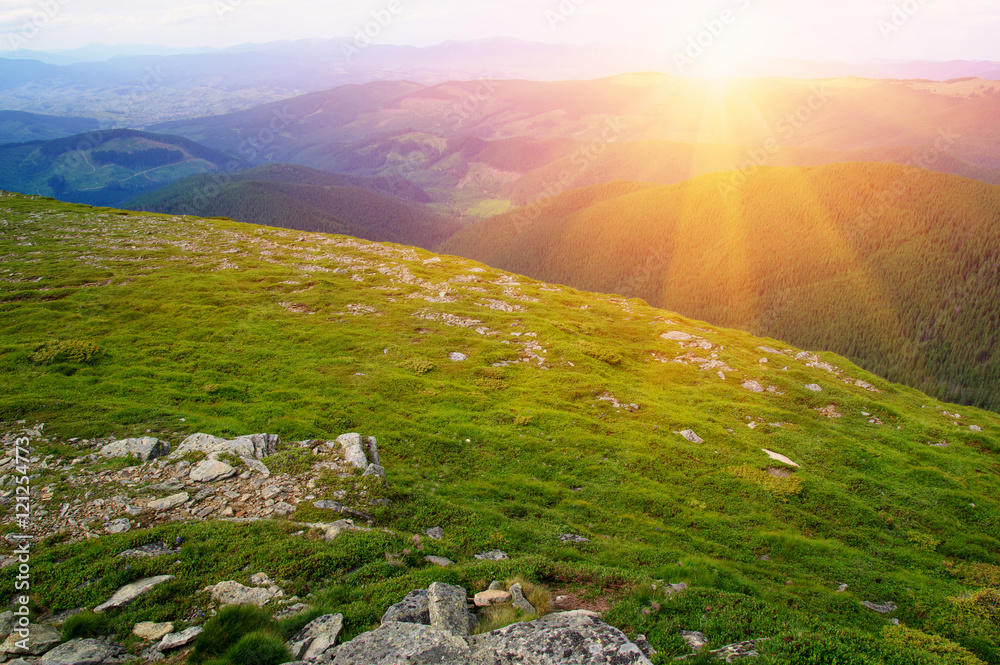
column 894, row 267
column 565, row 417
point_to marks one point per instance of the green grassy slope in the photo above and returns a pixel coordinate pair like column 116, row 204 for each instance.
column 894, row 267
column 214, row 326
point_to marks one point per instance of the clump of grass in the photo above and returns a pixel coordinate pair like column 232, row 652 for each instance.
column 225, row 629
column 70, row 350
column 293, row 461
column 496, row 617
column 418, row 366
column 492, row 384
column 499, row 616
column 539, row 596
column 85, row 624
column 600, row 352
column 782, row 488
column 980, row 574
column 924, row 541
column 259, row 649
column 904, row 639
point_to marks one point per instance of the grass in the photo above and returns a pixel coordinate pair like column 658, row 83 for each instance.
column 876, row 507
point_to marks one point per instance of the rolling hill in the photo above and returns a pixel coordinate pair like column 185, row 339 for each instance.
column 103, row 167
column 609, row 449
column 21, row 127
column 295, row 197
column 894, row 267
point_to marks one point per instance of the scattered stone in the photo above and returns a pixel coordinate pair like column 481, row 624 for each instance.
column 444, row 562
column 130, row 592
column 178, row 640
column 169, row 502
column 149, row 630
column 691, row 436
column 677, row 336
column 328, row 505
column 975, row 428
column 374, row 470
column 371, row 449
column 435, row 532
column 842, row 588
column 492, row 555
column 261, row 579
column 120, row 525
column 881, row 608
column 208, row 470
column 447, row 607
column 234, row 593
column 694, row 639
column 172, row 485
column 830, row 411
column 256, row 465
column 270, row 492
column 457, row 357
column 815, row 388
column 41, row 639
column 82, row 651
column 732, row 652
column 753, row 386
column 318, row 636
column 414, row 608
column 257, row 446
column 146, row 448
column 150, row 550
column 780, row 458
column 520, row 602
column 573, row 538
column 492, row 597
column 283, row 509
column 352, row 450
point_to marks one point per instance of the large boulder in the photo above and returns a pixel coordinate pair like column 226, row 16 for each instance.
column 130, row 592
column 556, row 639
column 208, row 470
column 166, row 503
column 32, row 640
column 398, row 643
column 150, row 630
column 318, row 636
column 177, row 640
column 520, row 602
column 352, row 448
column 414, row 608
column 448, row 608
column 82, row 651
column 257, row 446
column 234, row 593
column 145, row 448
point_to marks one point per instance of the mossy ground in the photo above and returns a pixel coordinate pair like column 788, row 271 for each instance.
column 213, row 326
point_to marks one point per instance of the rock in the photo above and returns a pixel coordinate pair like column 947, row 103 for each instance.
column 147, row 448
column 120, row 525
column 374, row 470
column 435, row 532
column 778, row 457
column 149, row 630
column 371, row 449
column 573, row 538
column 130, row 592
column 644, row 646
column 234, row 593
column 694, row 639
column 352, row 450
column 270, row 492
column 692, row 437
column 677, row 336
column 318, row 636
column 171, row 485
column 208, row 470
column 493, row 597
column 520, row 602
column 557, row 639
column 447, row 607
column 400, row 643
column 496, row 585
column 257, row 446
column 457, row 357
column 975, row 428
column 281, row 508
column 40, row 639
column 158, row 548
column 256, row 465
column 414, row 608
column 841, row 589
column 444, row 562
column 169, row 502
column 82, row 651
column 261, row 579
column 815, row 388
column 178, row 640
column 6, row 623
column 328, row 505
column 492, row 555
column 881, row 608
column 732, row 652
column 753, row 386
column 331, row 531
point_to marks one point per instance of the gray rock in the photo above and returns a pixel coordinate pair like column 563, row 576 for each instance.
column 399, row 643
column 520, row 602
column 328, row 505
column 6, row 623
column 435, row 532
column 352, row 449
column 492, row 555
column 39, row 639
column 371, row 449
column 732, row 652
column 495, row 585
column 171, row 485
column 881, row 608
column 234, row 593
column 281, row 508
column 256, row 465
column 573, row 538
column 318, row 636
column 149, row 630
column 208, row 470
column 442, row 561
column 975, row 428
column 85, row 651
column 457, row 357
column 448, row 608
column 753, row 386
column 120, row 525
column 644, row 646
column 374, row 470
column 815, row 388
column 491, row 597
column 146, row 448
column 414, row 608
column 150, row 550
column 557, row 639
column 692, row 437
column 257, row 446
column 177, row 640
column 270, row 492
column 694, row 639
column 168, row 502
column 130, row 592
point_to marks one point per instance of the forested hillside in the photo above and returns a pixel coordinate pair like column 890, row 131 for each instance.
column 894, row 267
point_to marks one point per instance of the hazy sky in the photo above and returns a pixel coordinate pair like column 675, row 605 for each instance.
column 807, row 29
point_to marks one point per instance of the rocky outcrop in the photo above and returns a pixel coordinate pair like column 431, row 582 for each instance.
column 399, row 643
column 448, row 609
column 83, row 651
column 257, row 446
column 146, row 448
column 318, row 636
column 352, row 449
column 130, row 592
column 234, row 593
column 37, row 638
column 414, row 608
column 208, row 470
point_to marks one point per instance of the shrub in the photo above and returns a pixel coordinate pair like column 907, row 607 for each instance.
column 602, row 353
column 782, row 488
column 85, row 624
column 905, row 640
column 923, row 541
column 417, row 365
column 226, row 628
column 70, row 350
column 259, row 649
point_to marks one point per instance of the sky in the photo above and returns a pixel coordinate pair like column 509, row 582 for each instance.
column 733, row 30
